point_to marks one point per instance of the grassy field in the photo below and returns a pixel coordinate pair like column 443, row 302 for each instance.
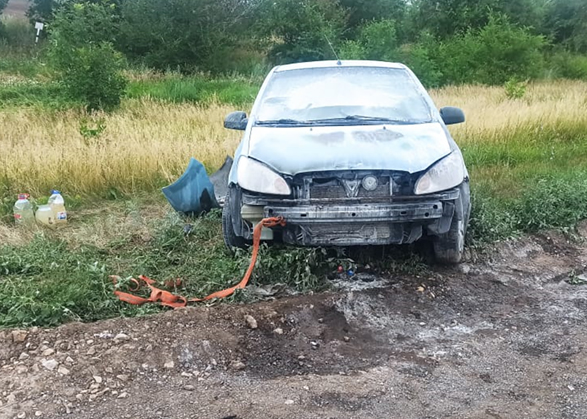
column 147, row 144
column 526, row 159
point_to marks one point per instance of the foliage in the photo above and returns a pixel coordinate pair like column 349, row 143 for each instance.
column 377, row 40
column 183, row 34
column 94, row 76
column 3, row 4
column 566, row 23
column 301, row 30
column 420, row 58
column 568, row 65
column 447, row 18
column 41, row 10
column 82, row 52
column 444, row 41
column 515, row 89
column 364, row 11
column 492, row 55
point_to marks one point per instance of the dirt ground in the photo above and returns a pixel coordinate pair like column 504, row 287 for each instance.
column 503, row 337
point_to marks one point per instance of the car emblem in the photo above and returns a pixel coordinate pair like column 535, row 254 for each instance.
column 351, row 187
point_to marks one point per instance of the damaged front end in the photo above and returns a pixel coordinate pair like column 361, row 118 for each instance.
column 349, row 208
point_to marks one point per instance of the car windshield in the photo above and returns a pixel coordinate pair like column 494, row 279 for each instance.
column 353, row 95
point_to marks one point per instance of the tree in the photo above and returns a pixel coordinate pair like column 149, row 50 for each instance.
column 41, row 10
column 184, row 34
column 301, row 30
column 82, row 52
column 445, row 18
column 361, row 11
column 567, row 24
column 492, row 55
column 377, row 40
column 44, row 10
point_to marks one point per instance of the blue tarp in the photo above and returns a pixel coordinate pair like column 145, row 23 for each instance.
column 193, row 192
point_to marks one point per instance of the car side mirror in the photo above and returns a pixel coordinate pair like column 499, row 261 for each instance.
column 236, row 120
column 451, row 115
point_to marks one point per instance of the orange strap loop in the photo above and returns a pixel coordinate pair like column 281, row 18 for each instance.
column 168, row 299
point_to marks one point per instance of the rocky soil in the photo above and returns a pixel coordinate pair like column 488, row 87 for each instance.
column 503, row 337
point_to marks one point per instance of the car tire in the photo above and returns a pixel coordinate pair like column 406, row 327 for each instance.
column 231, row 239
column 449, row 248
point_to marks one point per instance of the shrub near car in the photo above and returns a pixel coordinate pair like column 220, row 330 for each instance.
column 349, row 153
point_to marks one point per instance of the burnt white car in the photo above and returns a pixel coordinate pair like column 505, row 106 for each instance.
column 349, row 153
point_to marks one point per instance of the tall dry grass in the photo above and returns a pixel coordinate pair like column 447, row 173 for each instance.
column 143, row 146
column 147, row 144
column 490, row 114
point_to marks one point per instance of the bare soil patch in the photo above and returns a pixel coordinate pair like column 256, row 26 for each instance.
column 500, row 338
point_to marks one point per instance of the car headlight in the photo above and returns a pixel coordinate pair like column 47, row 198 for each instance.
column 256, row 177
column 446, row 174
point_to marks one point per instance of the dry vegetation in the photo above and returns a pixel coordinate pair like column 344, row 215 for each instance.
column 142, row 147
column 148, row 143
column 490, row 114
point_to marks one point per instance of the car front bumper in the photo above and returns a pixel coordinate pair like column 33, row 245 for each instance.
column 349, row 222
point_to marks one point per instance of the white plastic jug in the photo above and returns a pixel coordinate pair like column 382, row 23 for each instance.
column 57, row 204
column 45, row 216
column 23, row 210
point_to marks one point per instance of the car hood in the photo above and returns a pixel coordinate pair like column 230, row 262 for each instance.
column 294, row 150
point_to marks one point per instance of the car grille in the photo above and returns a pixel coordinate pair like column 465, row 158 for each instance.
column 334, row 189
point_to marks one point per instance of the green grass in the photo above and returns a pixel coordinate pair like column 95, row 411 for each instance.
column 34, row 94
column 46, row 94
column 532, row 179
column 46, row 282
column 176, row 89
column 554, row 200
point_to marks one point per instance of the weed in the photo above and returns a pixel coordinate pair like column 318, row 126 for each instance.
column 515, row 89
column 91, row 128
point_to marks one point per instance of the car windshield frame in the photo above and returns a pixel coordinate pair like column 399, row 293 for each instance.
column 312, row 96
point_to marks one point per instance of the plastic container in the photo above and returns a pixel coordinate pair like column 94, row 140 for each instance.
column 45, row 216
column 23, row 210
column 57, row 204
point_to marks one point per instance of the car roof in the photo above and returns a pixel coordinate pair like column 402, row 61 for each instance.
column 341, row 63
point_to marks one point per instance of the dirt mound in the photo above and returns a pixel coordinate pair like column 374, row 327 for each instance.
column 499, row 338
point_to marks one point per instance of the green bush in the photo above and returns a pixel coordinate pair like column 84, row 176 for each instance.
column 185, row 35
column 83, row 54
column 553, row 201
column 568, row 65
column 515, row 89
column 496, row 53
column 378, row 40
column 301, row 30
column 420, row 58
column 94, row 77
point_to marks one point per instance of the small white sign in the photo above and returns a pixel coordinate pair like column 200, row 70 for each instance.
column 39, row 27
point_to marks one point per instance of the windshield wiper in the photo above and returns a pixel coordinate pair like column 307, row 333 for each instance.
column 282, row 122
column 360, row 118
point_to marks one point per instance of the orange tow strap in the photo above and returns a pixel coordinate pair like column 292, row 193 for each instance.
column 168, row 299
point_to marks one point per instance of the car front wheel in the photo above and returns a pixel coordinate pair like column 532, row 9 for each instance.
column 231, row 239
column 449, row 248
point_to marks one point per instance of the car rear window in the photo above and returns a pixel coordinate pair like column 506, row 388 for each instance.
column 338, row 92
